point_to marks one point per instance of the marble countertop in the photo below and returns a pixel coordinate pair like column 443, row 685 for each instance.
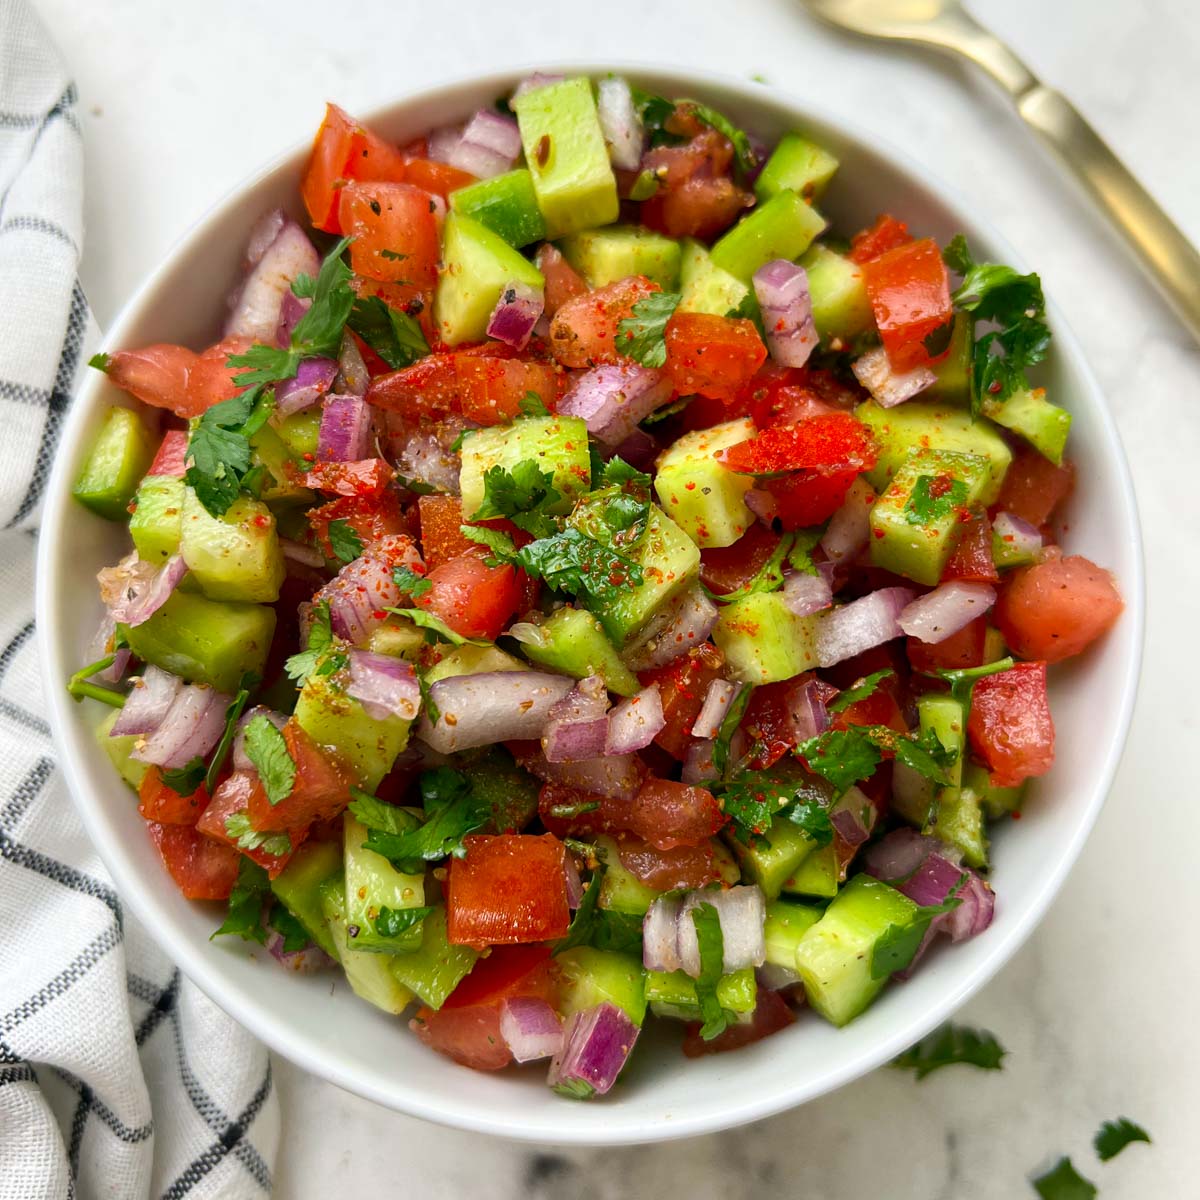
column 181, row 101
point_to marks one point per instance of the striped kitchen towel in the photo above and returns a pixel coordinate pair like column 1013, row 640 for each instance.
column 117, row 1077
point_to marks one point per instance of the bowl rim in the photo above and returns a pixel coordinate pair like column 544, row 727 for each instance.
column 253, row 1013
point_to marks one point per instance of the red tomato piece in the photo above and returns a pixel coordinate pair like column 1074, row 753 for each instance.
column 365, row 477
column 395, row 232
column 343, row 150
column 669, row 814
column 441, row 525
column 1056, row 609
column 439, row 178
column 698, row 208
column 807, row 498
column 155, row 375
column 1010, row 727
column 510, row 887
column 171, row 454
column 232, row 798
column 909, row 291
column 886, row 234
column 664, row 870
column 962, row 649
column 563, row 282
column 770, row 720
column 202, row 869
column 727, row 568
column 473, row 599
column 683, row 685
column 609, row 815
column 371, row 517
column 320, row 792
column 1034, row 487
column 972, row 558
column 158, row 802
column 710, row 355
column 771, row 1014
column 492, row 389
column 210, row 379
column 584, row 330
column 831, row 444
column 470, row 1036
column 879, row 708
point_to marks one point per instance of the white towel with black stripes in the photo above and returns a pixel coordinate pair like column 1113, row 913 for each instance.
column 117, row 1077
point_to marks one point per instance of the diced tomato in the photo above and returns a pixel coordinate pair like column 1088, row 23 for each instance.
column 364, row 477
column 439, row 178
column 426, row 390
column 470, row 1036
column 886, row 234
column 1010, row 727
column 473, row 599
column 725, row 569
column 609, row 815
column 830, row 444
column 508, row 888
column 962, row 649
column 563, row 282
column 371, row 517
column 669, row 814
column 320, row 792
column 710, row 355
column 708, row 153
column 492, row 388
column 909, row 291
column 771, row 716
column 972, row 558
column 159, row 802
column 441, row 537
column 343, row 150
column 888, row 657
column 1056, row 609
column 394, row 230
column 879, row 708
column 698, row 208
column 807, row 498
column 202, row 869
column 584, row 330
column 665, row 870
column 171, row 454
column 1034, row 487
column 683, row 685
column 155, row 375
column 233, row 798
column 771, row 1014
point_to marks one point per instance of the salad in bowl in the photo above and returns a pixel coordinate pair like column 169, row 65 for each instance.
column 581, row 587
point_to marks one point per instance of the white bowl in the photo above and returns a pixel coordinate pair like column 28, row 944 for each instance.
column 337, row 1036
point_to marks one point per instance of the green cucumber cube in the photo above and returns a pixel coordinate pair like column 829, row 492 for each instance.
column 591, row 977
column 783, row 227
column 157, row 519
column 436, row 967
column 233, row 557
column 914, row 532
column 771, row 862
column 818, row 875
column 298, row 888
column 834, row 956
column 567, row 156
column 282, row 465
column 996, row 802
column 605, row 255
column 120, row 456
column 205, row 641
column 399, row 637
column 477, row 265
column 953, row 373
column 558, row 445
column 786, row 923
column 673, row 994
column 506, row 204
column 622, row 891
column 705, row 499
column 958, row 821
column 763, row 640
column 573, row 641
column 841, row 308
column 1028, row 413
column 373, row 884
column 796, row 164
column 369, row 975
column 705, row 288
column 120, row 750
column 944, row 717
column 301, row 431
column 473, row 660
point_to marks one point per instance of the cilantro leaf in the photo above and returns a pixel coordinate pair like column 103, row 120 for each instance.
column 1113, row 1136
column 526, row 495
column 232, row 715
column 922, row 752
column 571, row 561
column 728, row 727
column 583, row 924
column 644, row 186
column 642, row 336
column 100, row 361
column 436, row 626
column 186, row 779
column 295, row 936
column 378, row 814
column 812, row 816
column 747, row 156
column 392, row 922
column 1063, row 1182
column 218, row 452
column 712, row 964
column 453, row 810
column 344, row 540
column 531, row 405
column 268, row 751
column 617, row 473
column 962, row 682
column 320, row 637
column 753, row 799
column 409, row 582
column 843, row 756
column 898, row 944
column 237, row 825
column 498, row 542
column 933, row 498
column 952, row 1044
column 392, row 334
column 244, row 916
column 861, row 691
column 654, row 112
column 319, row 331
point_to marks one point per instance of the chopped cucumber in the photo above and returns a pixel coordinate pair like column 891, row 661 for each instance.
column 573, row 641
column 298, row 888
column 369, row 975
column 1043, row 425
column 506, row 204
column 673, row 994
column 705, row 288
column 591, row 977
column 157, row 519
column 783, row 227
column 771, row 862
column 786, row 923
column 798, row 164
column 473, row 660
column 435, row 968
column 120, row 456
column 705, row 499
column 622, row 891
column 236, row 556
column 373, row 884
column 763, row 640
column 841, row 308
column 818, row 875
column 605, row 255
column 119, row 750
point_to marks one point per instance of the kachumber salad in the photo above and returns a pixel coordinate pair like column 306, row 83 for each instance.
column 579, row 582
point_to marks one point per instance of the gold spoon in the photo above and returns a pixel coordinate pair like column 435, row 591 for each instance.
column 1168, row 257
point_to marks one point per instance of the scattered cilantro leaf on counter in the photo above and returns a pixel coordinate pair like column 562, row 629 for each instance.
column 1113, row 1136
column 392, row 922
column 100, row 361
column 860, row 691
column 344, row 540
column 1063, row 1182
column 391, row 333
column 268, row 751
column 452, row 809
column 409, row 582
column 949, row 1045
column 526, row 495
column 712, row 965
column 898, row 945
column 320, row 637
column 244, row 915
column 642, row 336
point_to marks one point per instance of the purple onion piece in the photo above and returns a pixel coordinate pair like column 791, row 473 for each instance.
column 1018, row 534
column 806, row 707
column 698, row 766
column 635, row 722
column 530, row 1028
column 578, row 723
column 849, row 528
column 940, row 614
column 781, row 288
column 596, row 1046
column 344, row 435
column 291, row 309
column 616, row 775
column 614, row 399
column 149, row 700
column 849, row 826
column 496, row 706
column 308, row 556
column 620, row 123
column 639, row 450
column 312, row 380
column 353, row 376
column 849, row 629
column 257, row 307
column 806, row 594
column 742, row 912
column 532, row 82
column 516, row 313
column 306, row 961
column 191, row 727
column 717, row 699
column 685, row 623
column 141, row 590
column 888, row 387
column 574, row 883
column 385, row 686
column 363, row 589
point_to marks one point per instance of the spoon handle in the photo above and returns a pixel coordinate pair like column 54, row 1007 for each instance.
column 1169, row 258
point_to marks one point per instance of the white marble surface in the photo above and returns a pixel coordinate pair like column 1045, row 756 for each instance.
column 182, row 100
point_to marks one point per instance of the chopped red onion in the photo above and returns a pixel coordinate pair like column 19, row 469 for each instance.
column 574, row 883
column 530, row 1028
column 1017, row 533
column 239, row 758
column 309, row 556
column 849, row 825
column 305, row 961
column 516, row 313
column 781, row 288
column 716, row 704
column 698, row 766
column 134, row 591
column 742, row 911
column 635, row 722
column 535, row 81
column 496, row 706
column 660, row 935
column 614, row 399
column 191, row 727
column 488, row 144
column 345, row 429
column 426, row 458
column 443, row 142
column 639, row 449
column 313, row 378
column 940, row 614
column 620, row 122
column 849, row 528
column 353, row 376
column 101, row 647
column 149, row 700
column 291, row 310
column 806, row 702
column 364, row 589
column 849, row 629
column 578, row 724
column 806, row 594
column 616, row 775
column 385, row 686
column 278, row 251
column 912, row 792
column 762, row 504
column 887, row 387
column 596, row 1046
column 685, row 623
